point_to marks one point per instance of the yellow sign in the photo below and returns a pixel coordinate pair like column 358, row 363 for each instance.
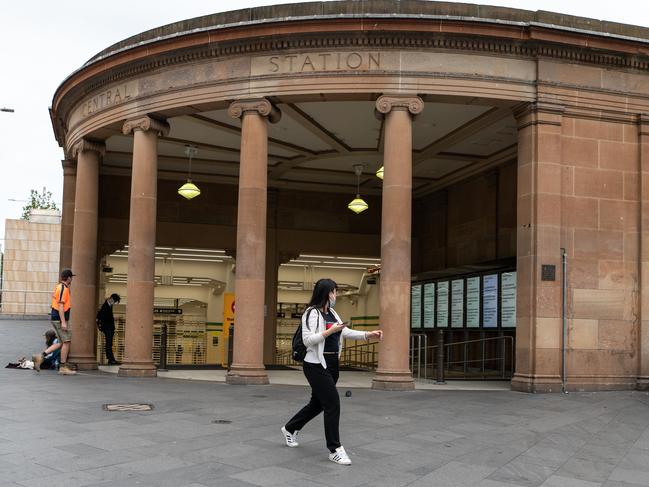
column 228, row 319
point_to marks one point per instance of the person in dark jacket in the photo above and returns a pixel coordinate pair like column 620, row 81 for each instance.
column 106, row 324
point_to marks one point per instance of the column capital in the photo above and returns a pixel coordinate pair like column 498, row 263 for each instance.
column 145, row 124
column 69, row 167
column 386, row 103
column 538, row 113
column 260, row 105
column 85, row 145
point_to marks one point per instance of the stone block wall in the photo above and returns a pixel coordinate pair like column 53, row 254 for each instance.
column 31, row 263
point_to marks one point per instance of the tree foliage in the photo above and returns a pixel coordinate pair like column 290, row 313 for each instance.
column 39, row 201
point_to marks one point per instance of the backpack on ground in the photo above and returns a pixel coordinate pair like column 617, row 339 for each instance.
column 298, row 349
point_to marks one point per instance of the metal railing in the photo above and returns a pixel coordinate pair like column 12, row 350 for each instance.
column 24, row 302
column 457, row 363
column 362, row 356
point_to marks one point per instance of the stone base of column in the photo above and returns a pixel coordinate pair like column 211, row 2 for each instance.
column 137, row 370
column 83, row 362
column 643, row 383
column 244, row 376
column 536, row 383
column 393, row 381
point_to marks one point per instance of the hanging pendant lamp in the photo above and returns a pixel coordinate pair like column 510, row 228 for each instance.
column 189, row 190
column 358, row 204
column 379, row 172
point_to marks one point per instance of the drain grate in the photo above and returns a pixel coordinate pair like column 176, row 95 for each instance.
column 128, row 407
column 221, row 421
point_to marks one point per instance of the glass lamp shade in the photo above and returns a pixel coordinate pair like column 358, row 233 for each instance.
column 358, row 205
column 379, row 173
column 189, row 190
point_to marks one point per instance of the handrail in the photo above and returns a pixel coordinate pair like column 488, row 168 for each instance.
column 507, row 339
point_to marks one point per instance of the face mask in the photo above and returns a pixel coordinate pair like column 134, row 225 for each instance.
column 332, row 302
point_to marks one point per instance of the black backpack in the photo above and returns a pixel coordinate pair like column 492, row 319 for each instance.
column 298, row 348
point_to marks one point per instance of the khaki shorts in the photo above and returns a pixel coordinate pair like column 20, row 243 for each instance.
column 64, row 335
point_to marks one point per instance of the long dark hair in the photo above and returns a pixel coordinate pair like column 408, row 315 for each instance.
column 50, row 335
column 321, row 290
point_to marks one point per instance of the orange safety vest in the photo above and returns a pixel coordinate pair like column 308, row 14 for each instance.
column 60, row 295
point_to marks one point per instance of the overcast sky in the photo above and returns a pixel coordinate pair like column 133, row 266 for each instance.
column 41, row 42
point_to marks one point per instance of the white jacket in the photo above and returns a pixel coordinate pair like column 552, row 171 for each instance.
column 314, row 340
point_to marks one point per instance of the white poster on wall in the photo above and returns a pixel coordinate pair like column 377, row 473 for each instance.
column 473, row 302
column 490, row 301
column 442, row 304
column 457, row 303
column 429, row 305
column 415, row 306
column 508, row 299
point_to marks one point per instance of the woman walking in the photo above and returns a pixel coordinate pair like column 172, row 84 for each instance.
column 322, row 334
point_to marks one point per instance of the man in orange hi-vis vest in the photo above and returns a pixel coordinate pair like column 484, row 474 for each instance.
column 61, row 319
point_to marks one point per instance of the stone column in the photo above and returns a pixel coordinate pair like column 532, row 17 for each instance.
column 393, row 371
column 272, row 268
column 84, row 255
column 248, row 353
column 138, row 340
column 539, row 242
column 643, row 335
column 67, row 217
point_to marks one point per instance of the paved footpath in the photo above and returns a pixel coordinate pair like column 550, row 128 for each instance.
column 54, row 432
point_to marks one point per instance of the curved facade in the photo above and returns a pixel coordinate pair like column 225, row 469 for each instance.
column 529, row 130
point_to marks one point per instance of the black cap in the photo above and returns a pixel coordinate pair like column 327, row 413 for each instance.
column 66, row 273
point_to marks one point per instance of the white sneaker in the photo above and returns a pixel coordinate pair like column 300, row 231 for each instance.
column 340, row 457
column 291, row 439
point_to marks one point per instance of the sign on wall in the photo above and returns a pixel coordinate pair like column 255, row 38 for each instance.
column 415, row 306
column 508, row 299
column 473, row 302
column 442, row 303
column 490, row 301
column 457, row 303
column 429, row 305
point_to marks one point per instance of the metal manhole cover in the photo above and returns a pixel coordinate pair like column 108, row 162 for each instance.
column 221, row 421
column 258, row 395
column 128, row 407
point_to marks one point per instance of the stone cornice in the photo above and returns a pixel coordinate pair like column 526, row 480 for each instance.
column 85, row 145
column 145, row 124
column 530, row 49
column 259, row 105
column 643, row 122
column 527, row 114
column 386, row 103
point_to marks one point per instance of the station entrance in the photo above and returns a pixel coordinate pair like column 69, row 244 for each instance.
column 323, row 154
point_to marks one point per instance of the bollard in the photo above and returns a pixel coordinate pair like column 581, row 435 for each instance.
column 230, row 345
column 440, row 357
column 162, row 366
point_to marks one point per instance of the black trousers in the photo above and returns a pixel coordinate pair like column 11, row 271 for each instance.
column 108, row 338
column 324, row 397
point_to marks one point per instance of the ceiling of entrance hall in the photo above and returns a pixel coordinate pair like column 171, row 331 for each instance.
column 316, row 144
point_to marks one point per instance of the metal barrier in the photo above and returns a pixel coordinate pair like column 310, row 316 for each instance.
column 363, row 356
column 465, row 368
column 25, row 302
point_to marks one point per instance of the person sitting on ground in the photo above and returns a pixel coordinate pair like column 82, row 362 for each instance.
column 49, row 357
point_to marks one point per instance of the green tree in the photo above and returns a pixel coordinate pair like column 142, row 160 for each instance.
column 39, row 201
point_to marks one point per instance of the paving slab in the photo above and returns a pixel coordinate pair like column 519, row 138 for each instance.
column 54, row 431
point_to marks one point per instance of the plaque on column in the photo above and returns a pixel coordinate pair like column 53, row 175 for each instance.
column 508, row 299
column 442, row 304
column 457, row 303
column 429, row 305
column 473, row 302
column 415, row 306
column 490, row 301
